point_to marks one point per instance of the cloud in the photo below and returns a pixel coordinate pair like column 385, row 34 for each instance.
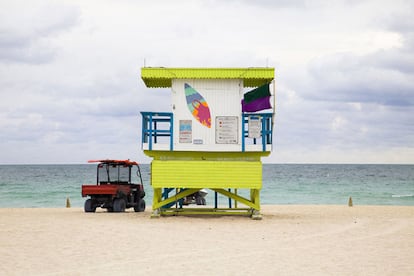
column 346, row 101
column 332, row 131
column 369, row 79
column 27, row 31
column 71, row 88
column 383, row 76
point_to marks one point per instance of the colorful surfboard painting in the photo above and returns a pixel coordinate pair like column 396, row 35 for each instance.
column 197, row 106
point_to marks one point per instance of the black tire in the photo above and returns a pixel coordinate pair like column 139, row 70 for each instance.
column 139, row 195
column 119, row 205
column 140, row 207
column 89, row 206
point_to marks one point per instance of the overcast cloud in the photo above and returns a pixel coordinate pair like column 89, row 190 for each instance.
column 71, row 89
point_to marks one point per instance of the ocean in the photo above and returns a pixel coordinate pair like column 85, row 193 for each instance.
column 50, row 185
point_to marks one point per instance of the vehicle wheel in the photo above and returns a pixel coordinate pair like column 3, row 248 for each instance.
column 89, row 206
column 139, row 195
column 140, row 207
column 119, row 205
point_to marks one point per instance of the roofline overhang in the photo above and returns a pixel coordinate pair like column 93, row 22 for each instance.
column 162, row 77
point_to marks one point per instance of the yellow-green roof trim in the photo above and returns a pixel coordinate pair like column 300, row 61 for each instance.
column 162, row 76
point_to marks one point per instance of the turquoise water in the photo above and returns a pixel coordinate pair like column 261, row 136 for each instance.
column 50, row 185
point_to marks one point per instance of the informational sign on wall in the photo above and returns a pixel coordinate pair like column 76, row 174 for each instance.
column 254, row 127
column 227, row 129
column 186, row 131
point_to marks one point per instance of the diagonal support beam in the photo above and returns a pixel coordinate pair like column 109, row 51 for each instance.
column 238, row 198
column 174, row 198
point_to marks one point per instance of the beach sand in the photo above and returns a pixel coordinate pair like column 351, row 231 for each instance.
column 290, row 240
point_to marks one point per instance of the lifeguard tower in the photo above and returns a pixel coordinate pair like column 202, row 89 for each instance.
column 212, row 139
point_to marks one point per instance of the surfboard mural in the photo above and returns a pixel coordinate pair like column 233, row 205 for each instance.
column 197, row 106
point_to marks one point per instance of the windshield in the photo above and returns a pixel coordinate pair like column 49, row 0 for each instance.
column 110, row 173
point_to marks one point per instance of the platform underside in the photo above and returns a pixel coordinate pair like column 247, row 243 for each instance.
column 169, row 201
column 236, row 177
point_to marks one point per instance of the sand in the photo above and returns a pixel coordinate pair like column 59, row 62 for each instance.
column 290, row 240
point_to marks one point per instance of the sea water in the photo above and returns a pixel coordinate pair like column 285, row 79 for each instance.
column 51, row 185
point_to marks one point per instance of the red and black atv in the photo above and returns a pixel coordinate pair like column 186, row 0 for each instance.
column 114, row 189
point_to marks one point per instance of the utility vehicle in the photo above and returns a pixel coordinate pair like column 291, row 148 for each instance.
column 114, row 188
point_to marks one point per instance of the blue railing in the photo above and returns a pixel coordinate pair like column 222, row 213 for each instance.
column 263, row 133
column 156, row 125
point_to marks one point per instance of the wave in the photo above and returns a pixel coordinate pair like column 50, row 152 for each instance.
column 408, row 195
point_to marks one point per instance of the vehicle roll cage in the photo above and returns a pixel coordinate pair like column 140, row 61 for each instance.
column 116, row 163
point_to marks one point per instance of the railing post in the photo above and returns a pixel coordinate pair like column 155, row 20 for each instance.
column 171, row 131
column 243, row 129
column 263, row 133
column 155, row 132
column 143, row 128
column 150, row 132
column 269, row 130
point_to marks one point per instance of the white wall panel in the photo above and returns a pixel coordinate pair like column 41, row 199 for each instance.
column 223, row 98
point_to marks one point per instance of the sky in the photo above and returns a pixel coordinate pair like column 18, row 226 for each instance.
column 71, row 90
